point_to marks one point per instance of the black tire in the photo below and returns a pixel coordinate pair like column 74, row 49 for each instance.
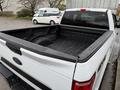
column 52, row 22
column 35, row 21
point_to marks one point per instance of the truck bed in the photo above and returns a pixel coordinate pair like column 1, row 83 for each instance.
column 70, row 46
column 67, row 40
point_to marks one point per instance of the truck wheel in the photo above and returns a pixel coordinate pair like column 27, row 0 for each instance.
column 35, row 21
column 52, row 22
column 3, row 83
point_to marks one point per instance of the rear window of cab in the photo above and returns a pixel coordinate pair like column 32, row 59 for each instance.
column 86, row 19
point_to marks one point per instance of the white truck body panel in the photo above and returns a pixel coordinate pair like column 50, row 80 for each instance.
column 84, row 71
column 59, row 70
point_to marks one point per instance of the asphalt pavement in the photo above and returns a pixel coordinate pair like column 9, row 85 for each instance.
column 10, row 23
column 117, row 84
column 3, row 83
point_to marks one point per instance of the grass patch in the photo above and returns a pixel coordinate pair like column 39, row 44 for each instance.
column 25, row 18
column 9, row 14
column 21, row 18
column 6, row 14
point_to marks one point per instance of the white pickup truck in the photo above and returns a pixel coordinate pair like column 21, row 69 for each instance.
column 69, row 56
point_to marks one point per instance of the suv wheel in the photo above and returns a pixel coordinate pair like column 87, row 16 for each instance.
column 52, row 22
column 35, row 22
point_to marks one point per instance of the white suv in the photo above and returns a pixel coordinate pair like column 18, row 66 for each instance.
column 47, row 15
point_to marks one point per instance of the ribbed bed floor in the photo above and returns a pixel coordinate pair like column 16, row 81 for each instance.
column 70, row 46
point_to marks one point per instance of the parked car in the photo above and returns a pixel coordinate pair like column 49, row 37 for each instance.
column 69, row 56
column 47, row 16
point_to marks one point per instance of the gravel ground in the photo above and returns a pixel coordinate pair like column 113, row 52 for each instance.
column 3, row 83
column 9, row 23
column 108, row 82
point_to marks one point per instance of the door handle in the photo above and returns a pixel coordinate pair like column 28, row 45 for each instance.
column 17, row 61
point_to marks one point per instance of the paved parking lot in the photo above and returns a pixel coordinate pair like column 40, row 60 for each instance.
column 9, row 23
column 3, row 83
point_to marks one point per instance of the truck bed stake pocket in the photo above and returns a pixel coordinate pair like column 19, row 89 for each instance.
column 14, row 48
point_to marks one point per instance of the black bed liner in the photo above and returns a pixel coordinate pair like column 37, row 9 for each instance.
column 60, row 41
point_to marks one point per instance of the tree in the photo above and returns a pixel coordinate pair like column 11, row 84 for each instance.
column 3, row 4
column 54, row 3
column 30, row 4
column 118, row 10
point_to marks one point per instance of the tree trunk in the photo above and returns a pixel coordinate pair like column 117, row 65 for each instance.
column 32, row 10
column 1, row 8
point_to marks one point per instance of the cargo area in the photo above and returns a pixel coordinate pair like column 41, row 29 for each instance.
column 66, row 40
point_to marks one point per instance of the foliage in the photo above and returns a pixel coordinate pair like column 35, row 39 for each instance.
column 6, row 13
column 57, row 4
column 24, row 13
column 62, row 7
column 24, row 18
column 30, row 4
column 54, row 3
column 3, row 4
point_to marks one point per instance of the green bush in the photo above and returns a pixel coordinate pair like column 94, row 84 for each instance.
column 62, row 7
column 6, row 13
column 25, row 18
column 24, row 13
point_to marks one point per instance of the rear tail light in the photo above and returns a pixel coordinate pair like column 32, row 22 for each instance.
column 83, row 10
column 87, row 85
